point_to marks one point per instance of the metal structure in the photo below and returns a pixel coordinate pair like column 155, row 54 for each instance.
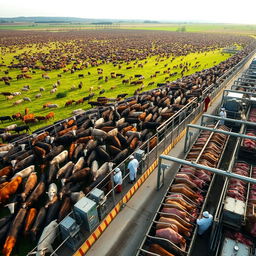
column 166, row 134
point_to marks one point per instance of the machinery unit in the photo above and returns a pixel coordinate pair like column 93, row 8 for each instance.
column 140, row 156
column 86, row 214
column 100, row 199
column 69, row 229
column 233, row 213
column 233, row 248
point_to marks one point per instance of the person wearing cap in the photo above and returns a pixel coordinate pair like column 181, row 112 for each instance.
column 222, row 113
column 204, row 223
column 118, row 180
column 132, row 167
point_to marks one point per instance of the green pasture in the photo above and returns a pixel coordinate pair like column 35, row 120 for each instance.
column 207, row 59
column 186, row 27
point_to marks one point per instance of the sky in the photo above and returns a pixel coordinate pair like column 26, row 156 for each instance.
column 221, row 11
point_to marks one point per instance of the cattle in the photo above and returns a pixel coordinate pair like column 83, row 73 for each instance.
column 47, row 238
column 38, row 95
column 102, row 91
column 7, row 83
column 125, row 81
column 30, row 121
column 16, row 93
column 50, row 115
column 53, row 90
column 45, row 76
column 9, row 97
column 51, row 106
column 100, row 78
column 16, row 116
column 10, row 127
column 113, row 87
column 80, row 75
column 91, row 89
column 81, row 101
column 18, row 129
column 26, row 86
column 40, row 118
column 41, row 89
column 54, row 86
column 6, row 93
column 68, row 103
column 24, row 89
column 122, row 95
column 27, row 99
column 5, row 118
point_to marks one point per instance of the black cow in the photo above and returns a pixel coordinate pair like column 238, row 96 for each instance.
column 4, row 118
column 18, row 129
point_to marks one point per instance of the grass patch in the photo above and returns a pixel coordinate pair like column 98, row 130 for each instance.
column 68, row 80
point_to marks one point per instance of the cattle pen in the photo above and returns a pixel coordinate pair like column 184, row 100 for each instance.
column 109, row 203
column 230, row 196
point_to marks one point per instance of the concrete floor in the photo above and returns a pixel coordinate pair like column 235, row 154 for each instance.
column 126, row 232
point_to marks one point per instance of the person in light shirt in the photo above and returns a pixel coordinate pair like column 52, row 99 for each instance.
column 204, row 223
column 118, row 180
column 133, row 167
column 222, row 114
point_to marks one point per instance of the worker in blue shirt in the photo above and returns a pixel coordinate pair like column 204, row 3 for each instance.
column 133, row 166
column 204, row 223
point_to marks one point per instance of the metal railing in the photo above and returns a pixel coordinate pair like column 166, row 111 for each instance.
column 165, row 134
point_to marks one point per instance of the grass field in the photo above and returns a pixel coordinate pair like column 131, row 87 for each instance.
column 206, row 60
column 189, row 27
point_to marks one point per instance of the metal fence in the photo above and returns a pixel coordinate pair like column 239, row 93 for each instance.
column 166, row 134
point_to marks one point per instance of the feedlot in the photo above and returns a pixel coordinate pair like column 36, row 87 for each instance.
column 45, row 76
column 67, row 67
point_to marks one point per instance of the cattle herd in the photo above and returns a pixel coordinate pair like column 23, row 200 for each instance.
column 43, row 176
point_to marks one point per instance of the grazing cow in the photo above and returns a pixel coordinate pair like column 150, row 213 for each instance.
column 10, row 127
column 6, row 93
column 30, row 121
column 24, row 89
column 16, row 116
column 80, row 75
column 50, row 115
column 122, row 95
column 80, row 85
column 38, row 95
column 100, row 77
column 51, row 106
column 4, row 118
column 16, row 93
column 27, row 99
column 53, row 90
column 113, row 87
column 40, row 118
column 9, row 97
column 102, row 91
column 26, row 86
column 68, row 103
column 41, row 89
column 18, row 129
column 54, row 86
column 81, row 101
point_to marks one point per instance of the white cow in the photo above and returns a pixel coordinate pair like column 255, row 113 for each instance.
column 46, row 240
